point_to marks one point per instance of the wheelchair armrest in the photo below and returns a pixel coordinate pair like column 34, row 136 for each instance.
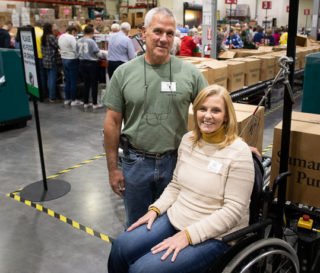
column 241, row 232
column 279, row 179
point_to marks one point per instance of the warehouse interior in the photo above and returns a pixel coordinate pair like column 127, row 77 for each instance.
column 74, row 232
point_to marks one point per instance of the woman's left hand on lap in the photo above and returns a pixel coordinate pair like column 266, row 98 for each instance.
column 173, row 244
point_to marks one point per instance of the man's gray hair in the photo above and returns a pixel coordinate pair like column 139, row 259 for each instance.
column 115, row 27
column 125, row 26
column 154, row 11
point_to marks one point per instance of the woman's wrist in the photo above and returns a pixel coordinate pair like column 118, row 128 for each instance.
column 155, row 209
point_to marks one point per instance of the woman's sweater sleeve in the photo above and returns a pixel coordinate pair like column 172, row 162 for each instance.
column 237, row 194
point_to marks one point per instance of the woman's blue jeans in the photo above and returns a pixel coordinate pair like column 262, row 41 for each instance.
column 52, row 81
column 70, row 69
column 145, row 179
column 130, row 252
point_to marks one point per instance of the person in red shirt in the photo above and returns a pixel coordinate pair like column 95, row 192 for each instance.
column 187, row 44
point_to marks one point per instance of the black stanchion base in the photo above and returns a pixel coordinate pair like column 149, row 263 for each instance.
column 36, row 192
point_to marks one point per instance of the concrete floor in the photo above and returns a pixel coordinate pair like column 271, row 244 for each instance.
column 32, row 241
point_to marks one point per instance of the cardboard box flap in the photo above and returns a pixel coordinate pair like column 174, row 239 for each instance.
column 215, row 64
column 227, row 55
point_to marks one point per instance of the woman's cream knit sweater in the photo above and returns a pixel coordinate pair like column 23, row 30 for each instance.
column 210, row 191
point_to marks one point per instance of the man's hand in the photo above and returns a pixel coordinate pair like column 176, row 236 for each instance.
column 148, row 218
column 175, row 243
column 255, row 151
column 116, row 182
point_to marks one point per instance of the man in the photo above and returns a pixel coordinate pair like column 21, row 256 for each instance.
column 99, row 27
column 5, row 36
column 67, row 43
column 233, row 40
column 120, row 48
column 152, row 94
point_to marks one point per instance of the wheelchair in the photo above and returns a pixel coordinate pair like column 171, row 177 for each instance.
column 256, row 249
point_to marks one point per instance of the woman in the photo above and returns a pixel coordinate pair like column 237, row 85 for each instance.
column 207, row 198
column 276, row 36
column 50, row 58
column 188, row 45
column 87, row 50
column 67, row 43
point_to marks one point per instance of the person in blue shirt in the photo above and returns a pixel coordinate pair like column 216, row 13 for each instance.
column 234, row 40
column 269, row 39
column 258, row 36
column 121, row 49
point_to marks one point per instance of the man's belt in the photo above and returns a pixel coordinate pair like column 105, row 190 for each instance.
column 152, row 155
column 126, row 146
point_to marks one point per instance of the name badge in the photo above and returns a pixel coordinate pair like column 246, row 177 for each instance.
column 168, row 87
column 214, row 166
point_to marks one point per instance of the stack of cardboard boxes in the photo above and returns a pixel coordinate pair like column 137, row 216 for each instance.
column 303, row 185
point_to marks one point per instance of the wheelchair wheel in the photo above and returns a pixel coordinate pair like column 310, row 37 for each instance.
column 267, row 256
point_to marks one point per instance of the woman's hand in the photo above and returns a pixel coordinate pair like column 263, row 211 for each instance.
column 175, row 243
column 148, row 218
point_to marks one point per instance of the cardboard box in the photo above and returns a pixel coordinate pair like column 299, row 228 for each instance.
column 303, row 186
column 235, row 75
column 217, row 72
column 225, row 55
column 65, row 12
column 81, row 12
column 302, row 40
column 127, row 17
column 277, row 55
column 4, row 16
column 266, row 67
column 251, row 71
column 299, row 56
column 252, row 132
column 250, row 129
column 241, row 53
column 47, row 16
column 139, row 18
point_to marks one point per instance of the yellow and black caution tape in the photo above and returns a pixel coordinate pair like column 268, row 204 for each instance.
column 279, row 106
column 76, row 166
column 61, row 218
column 69, row 169
column 268, row 148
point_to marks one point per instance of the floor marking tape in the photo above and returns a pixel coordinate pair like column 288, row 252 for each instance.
column 267, row 149
column 67, row 170
column 279, row 106
column 62, row 218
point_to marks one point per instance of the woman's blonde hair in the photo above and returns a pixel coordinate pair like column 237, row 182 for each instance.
column 231, row 119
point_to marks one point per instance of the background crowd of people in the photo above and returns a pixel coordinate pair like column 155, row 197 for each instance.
column 76, row 53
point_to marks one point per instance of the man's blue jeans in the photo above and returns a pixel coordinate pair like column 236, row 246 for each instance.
column 145, row 179
column 130, row 252
column 52, row 81
column 70, row 69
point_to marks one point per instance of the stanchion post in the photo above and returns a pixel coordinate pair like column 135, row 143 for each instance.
column 43, row 168
column 287, row 111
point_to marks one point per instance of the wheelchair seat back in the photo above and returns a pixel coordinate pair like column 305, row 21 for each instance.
column 257, row 191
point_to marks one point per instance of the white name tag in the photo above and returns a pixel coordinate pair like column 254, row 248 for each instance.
column 214, row 166
column 168, row 87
